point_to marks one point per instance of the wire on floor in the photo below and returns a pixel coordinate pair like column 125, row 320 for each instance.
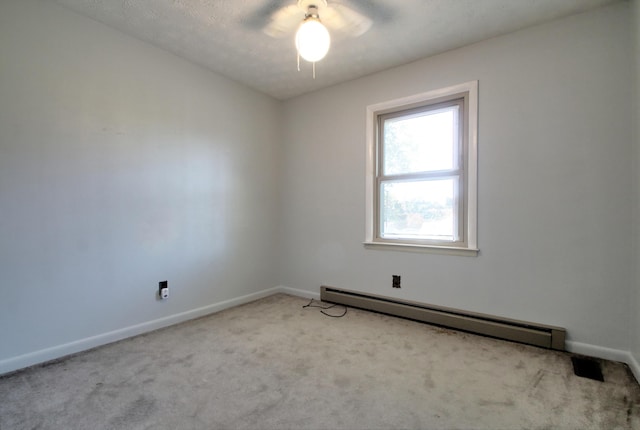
column 323, row 307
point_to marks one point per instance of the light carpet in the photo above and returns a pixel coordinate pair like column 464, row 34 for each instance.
column 271, row 364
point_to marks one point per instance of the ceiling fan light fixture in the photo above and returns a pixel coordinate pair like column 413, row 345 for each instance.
column 312, row 39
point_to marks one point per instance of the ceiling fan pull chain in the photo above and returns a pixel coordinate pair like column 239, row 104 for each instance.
column 314, row 70
column 298, row 61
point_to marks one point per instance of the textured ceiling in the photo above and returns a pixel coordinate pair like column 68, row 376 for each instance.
column 225, row 35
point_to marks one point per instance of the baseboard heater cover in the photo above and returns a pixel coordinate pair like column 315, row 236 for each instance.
column 503, row 328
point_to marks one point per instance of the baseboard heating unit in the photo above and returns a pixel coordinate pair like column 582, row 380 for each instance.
column 503, row 328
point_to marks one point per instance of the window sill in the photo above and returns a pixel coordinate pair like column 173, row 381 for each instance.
column 429, row 249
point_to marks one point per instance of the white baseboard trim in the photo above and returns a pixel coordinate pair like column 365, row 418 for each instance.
column 634, row 366
column 299, row 293
column 597, row 351
column 37, row 357
column 605, row 353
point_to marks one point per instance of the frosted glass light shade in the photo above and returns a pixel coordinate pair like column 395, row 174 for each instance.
column 312, row 40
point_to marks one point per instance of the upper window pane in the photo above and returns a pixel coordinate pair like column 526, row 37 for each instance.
column 421, row 142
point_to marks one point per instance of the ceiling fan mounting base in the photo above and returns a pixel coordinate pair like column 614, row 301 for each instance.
column 304, row 4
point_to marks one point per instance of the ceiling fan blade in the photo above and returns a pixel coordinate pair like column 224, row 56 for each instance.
column 259, row 18
column 379, row 12
column 284, row 21
column 344, row 19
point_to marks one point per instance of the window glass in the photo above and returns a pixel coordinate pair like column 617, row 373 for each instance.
column 419, row 209
column 421, row 142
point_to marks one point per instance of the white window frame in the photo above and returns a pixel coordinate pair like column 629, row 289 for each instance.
column 467, row 245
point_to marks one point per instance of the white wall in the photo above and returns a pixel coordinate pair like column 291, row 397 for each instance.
column 122, row 165
column 554, row 184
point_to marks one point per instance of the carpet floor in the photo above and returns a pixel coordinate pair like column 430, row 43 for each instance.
column 272, row 364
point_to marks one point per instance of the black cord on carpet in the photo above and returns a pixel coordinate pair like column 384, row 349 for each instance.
column 323, row 308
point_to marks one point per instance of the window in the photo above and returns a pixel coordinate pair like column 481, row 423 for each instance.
column 421, row 172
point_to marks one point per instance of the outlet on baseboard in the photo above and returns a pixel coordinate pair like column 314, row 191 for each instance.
column 395, row 283
column 163, row 289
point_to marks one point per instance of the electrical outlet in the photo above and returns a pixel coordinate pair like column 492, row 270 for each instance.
column 395, row 283
column 163, row 289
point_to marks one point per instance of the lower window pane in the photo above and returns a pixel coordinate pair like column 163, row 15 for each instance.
column 419, row 210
